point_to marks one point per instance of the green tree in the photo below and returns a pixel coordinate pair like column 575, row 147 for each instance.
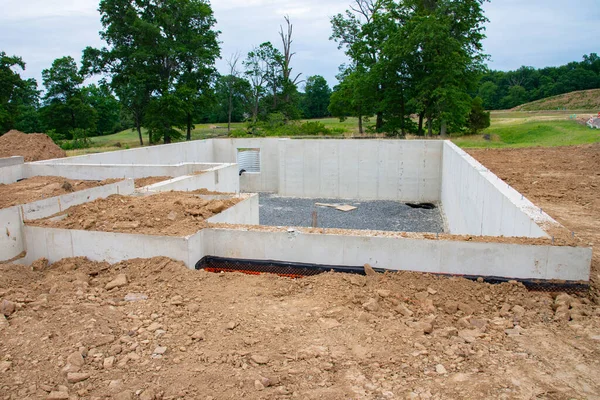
column 316, row 99
column 107, row 107
column 479, row 119
column 65, row 107
column 353, row 97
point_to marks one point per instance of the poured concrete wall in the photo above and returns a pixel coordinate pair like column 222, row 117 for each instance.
column 11, row 170
column 12, row 241
column 477, row 202
column 223, row 178
column 361, row 169
column 244, row 213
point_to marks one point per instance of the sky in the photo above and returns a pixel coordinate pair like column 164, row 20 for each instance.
column 535, row 33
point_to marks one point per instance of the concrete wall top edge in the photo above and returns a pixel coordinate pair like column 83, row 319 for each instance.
column 14, row 160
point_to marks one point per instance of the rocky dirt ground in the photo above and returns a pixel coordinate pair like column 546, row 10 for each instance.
column 152, row 329
column 43, row 187
column 32, row 146
column 165, row 213
column 150, row 180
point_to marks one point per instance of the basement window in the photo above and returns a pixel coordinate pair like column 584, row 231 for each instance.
column 248, row 160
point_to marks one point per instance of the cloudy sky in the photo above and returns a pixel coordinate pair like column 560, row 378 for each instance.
column 533, row 32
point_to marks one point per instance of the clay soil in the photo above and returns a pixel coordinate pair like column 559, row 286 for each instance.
column 149, row 180
column 153, row 329
column 42, row 187
column 167, row 213
column 32, row 146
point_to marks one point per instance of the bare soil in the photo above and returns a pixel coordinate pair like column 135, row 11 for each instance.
column 42, row 187
column 31, row 146
column 150, row 180
column 564, row 181
column 166, row 213
column 166, row 332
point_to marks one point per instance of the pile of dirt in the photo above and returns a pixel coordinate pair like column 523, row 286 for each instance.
column 166, row 213
column 31, row 146
column 153, row 329
column 149, row 180
column 578, row 100
column 564, row 181
column 43, row 187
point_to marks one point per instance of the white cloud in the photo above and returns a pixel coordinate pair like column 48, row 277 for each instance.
column 16, row 10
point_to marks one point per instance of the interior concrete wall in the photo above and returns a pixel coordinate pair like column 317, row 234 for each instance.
column 246, row 212
column 223, row 178
column 477, row 202
column 361, row 169
column 12, row 241
column 11, row 169
column 225, row 150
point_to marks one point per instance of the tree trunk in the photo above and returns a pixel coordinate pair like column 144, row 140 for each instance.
column 230, row 110
column 167, row 138
column 360, row 125
column 403, row 122
column 420, row 131
column 189, row 127
column 139, row 130
column 443, row 129
column 429, row 126
column 379, row 122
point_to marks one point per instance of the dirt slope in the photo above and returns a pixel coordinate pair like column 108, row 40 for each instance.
column 579, row 100
column 32, row 146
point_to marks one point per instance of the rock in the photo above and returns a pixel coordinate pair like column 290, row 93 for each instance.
column 329, row 323
column 440, row 369
column 75, row 359
column 258, row 385
column 369, row 271
column 516, row 331
column 518, row 310
column 421, row 296
column 172, row 216
column 5, row 366
column 58, row 396
column 216, row 207
column 259, row 359
column 451, row 307
column 424, row 326
column 469, row 335
column 371, row 305
column 231, row 326
column 467, row 309
column 177, row 300
column 153, row 327
column 40, row 264
column 147, row 394
column 480, row 324
column 404, row 310
column 3, row 321
column 109, row 362
column 126, row 395
column 135, row 297
column 115, row 349
column 74, row 377
column 431, row 291
column 160, row 350
column 198, row 335
column 383, row 293
column 119, row 281
column 7, row 307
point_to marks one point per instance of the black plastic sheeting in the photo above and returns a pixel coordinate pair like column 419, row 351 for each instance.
column 297, row 270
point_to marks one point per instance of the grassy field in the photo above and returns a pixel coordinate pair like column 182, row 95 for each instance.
column 508, row 129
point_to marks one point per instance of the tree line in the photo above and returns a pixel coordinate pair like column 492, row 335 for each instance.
column 505, row 90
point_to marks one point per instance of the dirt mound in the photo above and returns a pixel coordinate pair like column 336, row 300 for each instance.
column 579, row 100
column 88, row 330
column 150, row 180
column 167, row 213
column 32, row 146
column 42, row 187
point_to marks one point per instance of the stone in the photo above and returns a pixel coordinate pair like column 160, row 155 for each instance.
column 5, row 366
column 467, row 309
column 451, row 307
column 369, row 271
column 115, row 349
column 258, row 385
column 440, row 369
column 75, row 359
column 160, row 350
column 231, row 325
column 126, row 395
column 383, row 293
column 371, row 305
column 7, row 307
column 172, row 216
column 74, row 377
column 518, row 310
column 119, row 281
column 153, row 327
column 40, row 264
column 216, row 207
column 424, row 326
column 431, row 291
column 115, row 385
column 259, row 359
column 135, row 297
column 516, row 331
column 3, row 321
column 108, row 362
column 480, row 324
column 469, row 335
column 421, row 296
column 54, row 395
column 198, row 335
column 147, row 394
column 177, row 300
column 329, row 323
column 404, row 310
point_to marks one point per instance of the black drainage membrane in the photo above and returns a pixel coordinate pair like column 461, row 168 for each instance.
column 426, row 206
column 299, row 270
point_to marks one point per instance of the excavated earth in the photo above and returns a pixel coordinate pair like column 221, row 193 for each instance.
column 42, row 187
column 166, row 213
column 31, row 146
column 153, row 329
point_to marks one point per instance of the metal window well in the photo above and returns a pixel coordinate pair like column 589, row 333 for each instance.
column 248, row 160
column 299, row 270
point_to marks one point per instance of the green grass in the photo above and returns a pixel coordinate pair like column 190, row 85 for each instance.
column 508, row 129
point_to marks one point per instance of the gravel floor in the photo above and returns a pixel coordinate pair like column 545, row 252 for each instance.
column 375, row 215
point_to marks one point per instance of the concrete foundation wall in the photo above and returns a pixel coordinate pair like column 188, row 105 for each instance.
column 477, row 202
column 361, row 169
column 11, row 170
column 225, row 150
column 223, row 178
column 433, row 256
column 12, row 241
column 244, row 213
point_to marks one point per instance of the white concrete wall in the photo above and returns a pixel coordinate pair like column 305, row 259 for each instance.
column 245, row 212
column 11, row 169
column 12, row 241
column 433, row 256
column 477, row 202
column 194, row 151
column 223, row 178
column 225, row 150
column 404, row 170
column 114, row 171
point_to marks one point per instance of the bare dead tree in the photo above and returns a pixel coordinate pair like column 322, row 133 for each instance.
column 233, row 75
column 286, row 38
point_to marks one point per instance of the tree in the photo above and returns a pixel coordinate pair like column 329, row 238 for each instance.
column 479, row 119
column 107, row 107
column 159, row 54
column 353, row 97
column 19, row 98
column 65, row 109
column 316, row 99
column 231, row 80
column 260, row 69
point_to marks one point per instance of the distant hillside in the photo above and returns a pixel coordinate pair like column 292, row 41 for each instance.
column 580, row 100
